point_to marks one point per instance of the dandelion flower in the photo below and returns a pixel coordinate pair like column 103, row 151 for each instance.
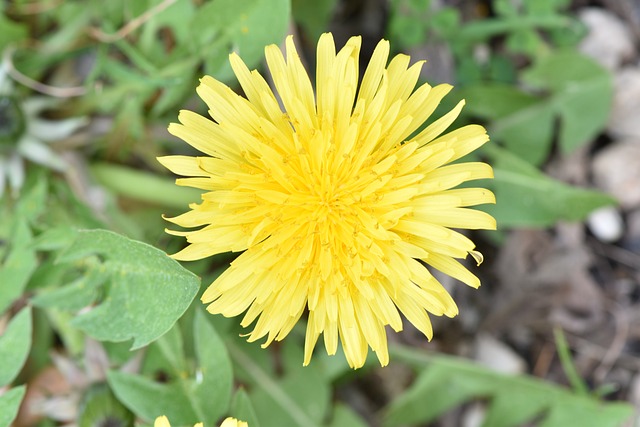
column 338, row 203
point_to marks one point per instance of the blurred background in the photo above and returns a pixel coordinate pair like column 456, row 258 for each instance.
column 552, row 338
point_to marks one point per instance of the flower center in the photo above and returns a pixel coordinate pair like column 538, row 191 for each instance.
column 12, row 123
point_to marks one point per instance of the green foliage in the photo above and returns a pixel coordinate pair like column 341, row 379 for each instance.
column 533, row 89
column 313, row 16
column 187, row 399
column 15, row 343
column 144, row 186
column 445, row 382
column 18, row 265
column 534, row 199
column 566, row 86
column 20, row 262
column 146, row 291
column 9, row 405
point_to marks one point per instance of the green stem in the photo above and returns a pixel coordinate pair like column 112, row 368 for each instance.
column 577, row 383
column 270, row 387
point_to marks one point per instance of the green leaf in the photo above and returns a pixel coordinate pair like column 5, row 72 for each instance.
column 147, row 292
column 241, row 408
column 446, row 382
column 344, row 416
column 186, row 400
column 144, row 186
column 33, row 202
column 239, row 25
column 10, row 32
column 300, row 398
column 14, row 346
column 313, row 16
column 149, row 399
column 214, row 394
column 18, row 266
column 581, row 94
column 9, row 405
column 74, row 296
column 527, row 198
column 520, row 120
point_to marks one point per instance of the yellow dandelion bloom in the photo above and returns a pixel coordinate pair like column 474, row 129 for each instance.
column 338, row 202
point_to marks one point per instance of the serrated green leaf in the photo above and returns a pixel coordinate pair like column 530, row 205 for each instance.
column 148, row 290
column 18, row 266
column 528, row 198
column 581, row 94
column 446, row 382
column 9, row 405
column 15, row 343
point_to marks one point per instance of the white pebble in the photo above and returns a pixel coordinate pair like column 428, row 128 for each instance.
column 606, row 224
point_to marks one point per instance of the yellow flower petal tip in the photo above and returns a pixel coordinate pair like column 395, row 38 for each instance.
column 163, row 421
column 232, row 422
column 337, row 199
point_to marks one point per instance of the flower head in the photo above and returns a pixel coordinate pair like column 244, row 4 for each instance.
column 338, row 202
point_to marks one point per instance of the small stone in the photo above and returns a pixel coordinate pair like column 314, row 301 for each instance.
column 608, row 40
column 625, row 111
column 606, row 224
column 498, row 356
column 616, row 170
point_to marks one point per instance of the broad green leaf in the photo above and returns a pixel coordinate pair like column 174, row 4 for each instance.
column 527, row 132
column 242, row 408
column 528, row 198
column 520, row 120
column 18, row 266
column 495, row 101
column 213, row 395
column 147, row 292
column 581, row 93
column 204, row 395
column 9, row 405
column 148, row 399
column 446, row 382
column 15, row 343
column 344, row 416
